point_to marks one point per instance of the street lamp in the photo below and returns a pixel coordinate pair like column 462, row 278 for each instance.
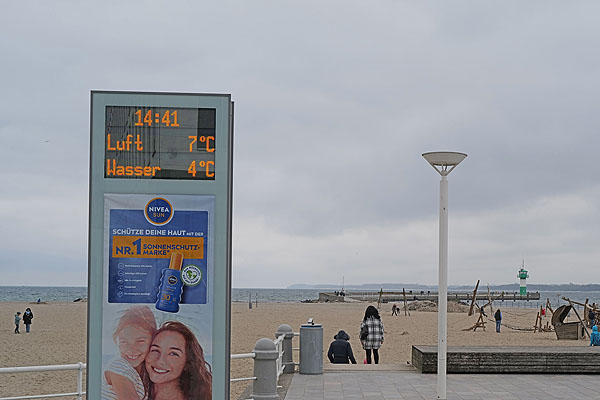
column 443, row 162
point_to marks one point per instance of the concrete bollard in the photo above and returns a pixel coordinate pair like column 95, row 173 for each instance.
column 265, row 370
column 288, row 356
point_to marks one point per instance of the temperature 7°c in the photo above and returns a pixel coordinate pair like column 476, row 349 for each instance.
column 203, row 139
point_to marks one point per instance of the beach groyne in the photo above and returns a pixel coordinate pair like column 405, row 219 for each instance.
column 412, row 295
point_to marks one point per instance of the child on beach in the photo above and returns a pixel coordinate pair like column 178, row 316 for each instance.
column 17, row 321
column 595, row 336
column 122, row 378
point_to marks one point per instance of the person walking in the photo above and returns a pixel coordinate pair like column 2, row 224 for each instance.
column 17, row 321
column 340, row 350
column 371, row 336
column 498, row 318
column 27, row 317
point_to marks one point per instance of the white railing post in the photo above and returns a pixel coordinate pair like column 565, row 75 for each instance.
column 80, row 381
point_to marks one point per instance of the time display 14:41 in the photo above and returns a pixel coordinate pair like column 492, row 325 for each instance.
column 169, row 118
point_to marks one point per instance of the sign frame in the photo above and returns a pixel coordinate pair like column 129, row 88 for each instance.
column 221, row 188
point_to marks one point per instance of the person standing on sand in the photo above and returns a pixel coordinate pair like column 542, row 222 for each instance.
column 498, row 318
column 374, row 338
column 592, row 317
column 17, row 321
column 27, row 317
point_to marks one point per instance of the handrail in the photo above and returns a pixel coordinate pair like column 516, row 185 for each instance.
column 280, row 366
column 239, row 357
column 279, row 345
column 38, row 368
column 243, row 355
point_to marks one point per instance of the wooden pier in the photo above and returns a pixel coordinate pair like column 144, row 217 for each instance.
column 412, row 295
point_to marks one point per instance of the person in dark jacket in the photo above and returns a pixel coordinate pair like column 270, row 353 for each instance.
column 592, row 317
column 498, row 318
column 27, row 317
column 340, row 350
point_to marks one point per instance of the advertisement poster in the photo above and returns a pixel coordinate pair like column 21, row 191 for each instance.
column 157, row 312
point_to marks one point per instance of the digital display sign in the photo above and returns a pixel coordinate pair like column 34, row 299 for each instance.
column 143, row 142
column 159, row 235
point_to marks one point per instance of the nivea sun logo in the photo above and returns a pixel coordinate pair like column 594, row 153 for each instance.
column 158, row 211
column 172, row 280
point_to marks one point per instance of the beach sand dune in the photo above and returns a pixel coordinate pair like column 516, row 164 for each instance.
column 59, row 337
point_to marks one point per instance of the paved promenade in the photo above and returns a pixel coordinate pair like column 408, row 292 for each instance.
column 409, row 385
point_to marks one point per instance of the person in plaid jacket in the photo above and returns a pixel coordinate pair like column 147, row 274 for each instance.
column 374, row 340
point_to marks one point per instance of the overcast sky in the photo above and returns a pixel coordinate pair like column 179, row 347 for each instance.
column 335, row 102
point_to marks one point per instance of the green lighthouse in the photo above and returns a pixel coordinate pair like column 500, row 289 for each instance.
column 522, row 275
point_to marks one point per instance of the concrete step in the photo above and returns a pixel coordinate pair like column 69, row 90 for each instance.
column 367, row 367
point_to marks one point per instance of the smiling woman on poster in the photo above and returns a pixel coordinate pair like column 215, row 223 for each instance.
column 176, row 366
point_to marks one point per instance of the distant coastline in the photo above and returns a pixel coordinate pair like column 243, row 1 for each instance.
column 511, row 287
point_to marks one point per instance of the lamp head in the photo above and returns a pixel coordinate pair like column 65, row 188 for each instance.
column 444, row 161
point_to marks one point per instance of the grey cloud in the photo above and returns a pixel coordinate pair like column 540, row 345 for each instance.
column 335, row 102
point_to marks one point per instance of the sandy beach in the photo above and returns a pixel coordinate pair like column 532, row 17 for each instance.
column 58, row 336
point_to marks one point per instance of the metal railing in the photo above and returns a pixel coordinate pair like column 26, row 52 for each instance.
column 239, row 357
column 272, row 358
column 277, row 351
column 279, row 362
column 279, row 346
column 78, row 367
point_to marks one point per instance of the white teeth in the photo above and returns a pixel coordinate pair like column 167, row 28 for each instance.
column 133, row 357
column 159, row 371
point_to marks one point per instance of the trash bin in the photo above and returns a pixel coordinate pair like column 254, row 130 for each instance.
column 311, row 349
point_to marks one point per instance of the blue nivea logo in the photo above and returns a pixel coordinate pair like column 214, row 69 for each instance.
column 158, row 211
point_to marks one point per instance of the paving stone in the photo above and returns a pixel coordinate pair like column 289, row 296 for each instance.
column 406, row 385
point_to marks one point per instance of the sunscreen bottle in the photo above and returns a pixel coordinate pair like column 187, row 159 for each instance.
column 171, row 287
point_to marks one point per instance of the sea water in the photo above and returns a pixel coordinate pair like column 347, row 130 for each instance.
column 56, row 293
column 275, row 295
column 44, row 293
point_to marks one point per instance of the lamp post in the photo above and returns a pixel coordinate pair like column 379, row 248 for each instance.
column 443, row 162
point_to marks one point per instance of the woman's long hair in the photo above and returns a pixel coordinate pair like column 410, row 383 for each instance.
column 195, row 380
column 371, row 312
